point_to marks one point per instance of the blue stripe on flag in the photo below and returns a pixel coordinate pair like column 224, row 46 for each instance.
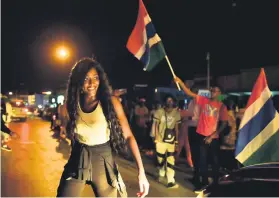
column 150, row 30
column 255, row 125
column 145, row 57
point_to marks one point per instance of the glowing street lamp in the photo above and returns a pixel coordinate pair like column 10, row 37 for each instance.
column 62, row 53
column 10, row 93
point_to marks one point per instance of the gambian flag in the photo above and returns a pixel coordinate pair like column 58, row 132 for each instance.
column 258, row 140
column 144, row 43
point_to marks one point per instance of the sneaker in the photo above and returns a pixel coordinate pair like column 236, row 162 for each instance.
column 172, row 185
column 6, row 148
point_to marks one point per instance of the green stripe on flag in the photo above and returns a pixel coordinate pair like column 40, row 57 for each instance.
column 268, row 152
column 157, row 53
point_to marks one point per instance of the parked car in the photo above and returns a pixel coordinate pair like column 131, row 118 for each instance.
column 19, row 111
column 261, row 180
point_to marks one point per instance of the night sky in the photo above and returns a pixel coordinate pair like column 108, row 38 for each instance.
column 238, row 37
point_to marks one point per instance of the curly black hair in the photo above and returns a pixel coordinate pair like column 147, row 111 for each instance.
column 104, row 95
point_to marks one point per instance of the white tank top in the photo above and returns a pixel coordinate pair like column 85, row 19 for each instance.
column 92, row 128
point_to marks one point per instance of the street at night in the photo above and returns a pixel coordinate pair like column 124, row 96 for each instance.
column 34, row 167
column 182, row 97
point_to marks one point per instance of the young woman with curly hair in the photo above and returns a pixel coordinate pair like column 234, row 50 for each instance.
column 97, row 125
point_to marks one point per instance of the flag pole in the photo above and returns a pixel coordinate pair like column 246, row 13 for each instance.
column 172, row 71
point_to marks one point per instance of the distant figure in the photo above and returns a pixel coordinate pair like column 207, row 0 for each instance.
column 97, row 125
column 141, row 116
column 228, row 140
column 166, row 123
column 6, row 133
column 187, row 137
column 192, row 122
column 132, row 107
column 64, row 118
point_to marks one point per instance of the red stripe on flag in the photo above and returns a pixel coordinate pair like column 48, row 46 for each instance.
column 258, row 88
column 136, row 39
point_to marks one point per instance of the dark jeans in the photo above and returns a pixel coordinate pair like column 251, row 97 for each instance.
column 74, row 187
column 194, row 147
column 205, row 151
column 102, row 176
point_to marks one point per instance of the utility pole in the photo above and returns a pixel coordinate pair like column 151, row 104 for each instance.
column 208, row 69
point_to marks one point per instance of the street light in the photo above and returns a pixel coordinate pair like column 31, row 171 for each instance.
column 10, row 93
column 62, row 53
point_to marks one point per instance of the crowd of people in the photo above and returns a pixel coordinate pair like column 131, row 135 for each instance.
column 98, row 120
column 207, row 129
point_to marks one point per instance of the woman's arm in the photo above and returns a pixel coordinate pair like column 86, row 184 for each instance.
column 128, row 135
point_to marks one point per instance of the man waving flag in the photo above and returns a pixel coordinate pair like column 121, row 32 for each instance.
column 144, row 43
column 258, row 140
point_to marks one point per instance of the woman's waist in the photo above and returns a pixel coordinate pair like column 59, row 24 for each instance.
column 87, row 128
column 92, row 137
column 86, row 159
column 97, row 149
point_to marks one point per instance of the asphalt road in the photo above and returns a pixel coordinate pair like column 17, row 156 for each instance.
column 34, row 166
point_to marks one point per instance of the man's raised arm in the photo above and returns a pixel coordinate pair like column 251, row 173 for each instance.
column 184, row 87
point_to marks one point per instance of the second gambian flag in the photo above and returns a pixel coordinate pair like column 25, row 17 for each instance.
column 258, row 139
column 144, row 43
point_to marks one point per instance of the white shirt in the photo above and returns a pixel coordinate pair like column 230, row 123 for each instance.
column 92, row 128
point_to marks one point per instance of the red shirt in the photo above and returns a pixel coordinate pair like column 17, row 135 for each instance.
column 211, row 112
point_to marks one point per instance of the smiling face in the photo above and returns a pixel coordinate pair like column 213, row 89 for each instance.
column 91, row 83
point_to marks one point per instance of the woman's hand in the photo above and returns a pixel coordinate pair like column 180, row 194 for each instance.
column 143, row 185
